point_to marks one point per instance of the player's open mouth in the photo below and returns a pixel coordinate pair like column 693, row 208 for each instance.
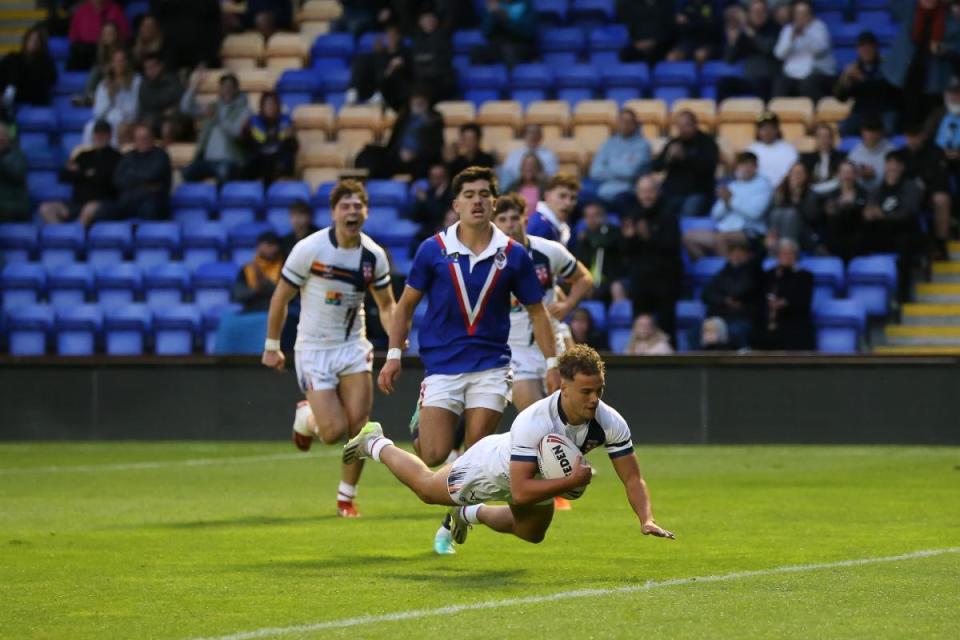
column 352, row 223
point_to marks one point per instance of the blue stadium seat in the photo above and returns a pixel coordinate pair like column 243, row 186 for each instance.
column 400, row 261
column 175, row 329
column 70, row 141
column 609, row 38
column 243, row 239
column 74, row 118
column 59, row 47
column 367, row 41
column 387, row 193
column 620, row 314
column 335, row 81
column 322, row 217
column 381, row 221
column 578, row 76
column 166, row 284
column 321, row 65
column 675, row 74
column 232, row 216
column 690, row 223
column 594, row 11
column 620, row 95
column 109, row 242
column 299, row 81
column 22, row 284
column 634, row 75
column 322, row 197
column 847, row 143
column 872, row 281
column 33, row 140
column 479, row 96
column 526, row 97
column 551, row 11
column 880, row 22
column 190, row 215
column 690, row 315
column 242, row 193
column 283, row 194
column 828, row 277
column 491, row 77
column 618, row 339
column 77, row 329
column 671, row 94
column 845, row 35
column 464, row 40
column 134, row 10
column 125, row 329
column 713, row 70
column 203, row 242
column 31, row 118
column 18, row 241
column 195, row 195
column 28, row 328
column 567, row 39
column 333, row 45
column 156, row 243
column 212, row 317
column 831, row 5
column 598, row 312
column 293, row 99
column 557, row 59
column 573, row 96
column 61, row 242
column 602, row 59
column 396, row 235
column 702, row 271
column 279, row 217
column 43, row 186
column 870, row 4
column 213, row 283
column 840, row 323
column 531, row 76
column 118, row 285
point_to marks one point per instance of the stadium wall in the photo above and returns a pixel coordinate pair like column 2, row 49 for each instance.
column 682, row 400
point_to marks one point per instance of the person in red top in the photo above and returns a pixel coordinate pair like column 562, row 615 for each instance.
column 88, row 18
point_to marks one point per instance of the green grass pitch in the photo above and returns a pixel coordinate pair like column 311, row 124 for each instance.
column 188, row 540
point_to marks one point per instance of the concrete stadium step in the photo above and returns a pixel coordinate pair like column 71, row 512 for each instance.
column 916, row 350
column 17, row 5
column 926, row 335
column 931, row 314
column 933, row 292
column 946, row 271
column 954, row 249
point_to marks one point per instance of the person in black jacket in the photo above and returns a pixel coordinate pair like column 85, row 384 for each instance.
column 432, row 57
column 91, row 174
column 927, row 163
column 31, row 71
column 431, row 204
column 735, row 294
column 469, row 152
column 750, row 39
column 651, row 26
column 370, row 72
column 415, row 143
column 598, row 247
column 142, row 179
column 651, row 254
column 823, row 162
column 863, row 82
column 301, row 226
column 690, row 160
column 160, row 92
column 788, row 323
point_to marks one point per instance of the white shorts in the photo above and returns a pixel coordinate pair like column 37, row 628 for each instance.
column 320, row 369
column 477, row 475
column 528, row 362
column 488, row 389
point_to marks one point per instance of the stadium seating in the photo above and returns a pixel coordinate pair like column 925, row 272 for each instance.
column 22, row 283
column 61, row 243
column 77, row 329
column 840, row 325
column 166, row 284
column 109, row 242
column 18, row 241
column 29, row 327
column 156, row 243
column 213, row 283
column 69, row 284
column 872, row 281
column 126, row 330
column 203, row 242
column 176, row 327
column 118, row 284
column 690, row 315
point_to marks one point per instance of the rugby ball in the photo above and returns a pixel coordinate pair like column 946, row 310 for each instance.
column 556, row 458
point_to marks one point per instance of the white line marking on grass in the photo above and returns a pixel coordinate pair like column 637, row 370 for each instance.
column 271, row 632
column 162, row 464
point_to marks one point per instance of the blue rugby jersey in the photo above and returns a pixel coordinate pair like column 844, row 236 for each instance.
column 543, row 222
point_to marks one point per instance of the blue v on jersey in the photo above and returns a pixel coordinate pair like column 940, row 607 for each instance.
column 467, row 322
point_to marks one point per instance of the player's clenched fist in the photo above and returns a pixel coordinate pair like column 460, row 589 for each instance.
column 388, row 376
column 274, row 360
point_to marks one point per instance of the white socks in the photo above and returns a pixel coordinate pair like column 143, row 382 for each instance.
column 346, row 492
column 376, row 446
column 470, row 513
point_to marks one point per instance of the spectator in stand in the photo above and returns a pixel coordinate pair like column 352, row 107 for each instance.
column 714, row 335
column 148, row 42
column 647, row 339
column 551, row 218
column 750, row 39
column 843, row 212
column 531, row 184
column 30, row 72
column 219, row 151
column 416, row 142
column 272, row 142
column 510, row 27
column 892, row 219
column 142, row 179
column 14, row 197
column 91, row 174
column 431, row 203
column 255, row 283
column 469, row 152
column 864, row 83
column 193, row 31
column 943, row 127
column 362, row 15
column 869, row 155
column 532, row 143
column 775, row 155
column 651, row 27
column 922, row 59
column 738, row 212
column 735, row 294
column 804, row 47
column 432, row 57
column 117, row 99
column 583, row 332
column 85, row 26
column 301, row 225
column 623, row 158
column 651, row 255
column 823, row 162
column 690, row 161
column 269, row 16
column 788, row 322
column 927, row 163
column 109, row 43
column 698, row 28
column 371, row 72
column 796, row 212
column 160, row 92
column 598, row 247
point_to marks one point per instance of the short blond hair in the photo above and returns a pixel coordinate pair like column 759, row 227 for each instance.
column 580, row 358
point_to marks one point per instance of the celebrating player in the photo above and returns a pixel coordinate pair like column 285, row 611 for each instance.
column 332, row 269
column 468, row 273
column 549, row 220
column 503, row 467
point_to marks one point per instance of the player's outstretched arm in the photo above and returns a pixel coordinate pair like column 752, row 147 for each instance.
column 628, row 469
column 546, row 340
column 386, row 304
column 400, row 322
column 526, row 488
column 277, row 316
column 581, row 284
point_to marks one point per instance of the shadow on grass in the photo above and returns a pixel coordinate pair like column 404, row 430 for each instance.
column 266, row 521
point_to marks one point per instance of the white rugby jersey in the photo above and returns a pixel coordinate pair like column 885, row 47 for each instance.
column 551, row 260
column 332, row 283
column 607, row 429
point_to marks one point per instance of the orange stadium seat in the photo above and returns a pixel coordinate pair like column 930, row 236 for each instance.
column 832, row 111
column 242, row 45
column 652, row 115
column 553, row 116
column 320, row 10
column 286, row 45
column 740, row 110
column 313, row 116
column 360, row 116
column 456, row 113
column 704, row 108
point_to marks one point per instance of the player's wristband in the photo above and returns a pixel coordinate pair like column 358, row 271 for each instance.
column 394, row 354
column 552, row 362
column 271, row 345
